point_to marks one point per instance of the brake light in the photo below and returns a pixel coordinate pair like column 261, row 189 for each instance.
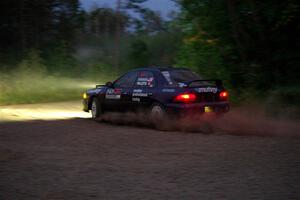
column 185, row 98
column 223, row 95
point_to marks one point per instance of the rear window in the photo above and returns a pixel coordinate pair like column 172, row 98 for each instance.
column 179, row 77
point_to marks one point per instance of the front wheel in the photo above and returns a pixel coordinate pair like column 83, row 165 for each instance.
column 96, row 109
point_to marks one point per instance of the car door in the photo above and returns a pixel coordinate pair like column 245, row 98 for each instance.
column 118, row 96
column 143, row 89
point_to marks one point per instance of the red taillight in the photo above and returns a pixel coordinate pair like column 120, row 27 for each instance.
column 224, row 95
column 185, row 98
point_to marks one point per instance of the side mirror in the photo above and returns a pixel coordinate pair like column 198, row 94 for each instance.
column 109, row 84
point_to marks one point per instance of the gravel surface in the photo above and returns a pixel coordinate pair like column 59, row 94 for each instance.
column 80, row 159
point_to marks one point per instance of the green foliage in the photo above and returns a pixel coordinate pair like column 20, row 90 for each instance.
column 139, row 54
column 50, row 47
column 163, row 47
column 60, row 60
column 100, row 73
column 106, row 21
column 284, row 102
column 33, row 88
column 31, row 83
column 204, row 57
column 32, row 65
column 253, row 45
column 36, row 24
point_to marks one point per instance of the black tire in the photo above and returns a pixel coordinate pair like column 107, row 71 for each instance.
column 96, row 109
column 158, row 116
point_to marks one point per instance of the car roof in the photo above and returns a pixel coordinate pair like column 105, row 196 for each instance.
column 159, row 69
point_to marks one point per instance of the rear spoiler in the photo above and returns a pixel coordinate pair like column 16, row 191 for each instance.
column 218, row 82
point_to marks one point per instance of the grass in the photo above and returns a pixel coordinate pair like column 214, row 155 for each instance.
column 28, row 85
column 30, row 82
column 21, row 88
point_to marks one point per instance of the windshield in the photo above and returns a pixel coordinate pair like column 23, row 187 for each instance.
column 179, row 77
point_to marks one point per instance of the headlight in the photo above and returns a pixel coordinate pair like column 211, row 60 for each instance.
column 84, row 96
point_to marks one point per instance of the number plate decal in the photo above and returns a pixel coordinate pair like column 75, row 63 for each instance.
column 208, row 109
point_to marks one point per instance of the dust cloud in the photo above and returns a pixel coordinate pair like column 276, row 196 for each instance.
column 243, row 120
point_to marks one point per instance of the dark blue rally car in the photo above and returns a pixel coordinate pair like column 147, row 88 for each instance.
column 159, row 91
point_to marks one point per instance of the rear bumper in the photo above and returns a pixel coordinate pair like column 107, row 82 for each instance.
column 197, row 108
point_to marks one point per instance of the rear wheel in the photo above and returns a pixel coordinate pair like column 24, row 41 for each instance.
column 96, row 109
column 158, row 115
column 157, row 112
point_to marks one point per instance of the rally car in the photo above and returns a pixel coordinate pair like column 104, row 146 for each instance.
column 160, row 91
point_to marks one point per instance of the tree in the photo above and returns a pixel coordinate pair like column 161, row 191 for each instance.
column 35, row 24
column 102, row 21
column 253, row 43
column 149, row 21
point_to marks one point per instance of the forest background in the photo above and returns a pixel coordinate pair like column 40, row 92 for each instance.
column 52, row 50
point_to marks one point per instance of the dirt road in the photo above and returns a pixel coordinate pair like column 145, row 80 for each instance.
column 71, row 157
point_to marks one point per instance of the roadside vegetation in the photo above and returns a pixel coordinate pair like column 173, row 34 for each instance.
column 53, row 50
column 31, row 82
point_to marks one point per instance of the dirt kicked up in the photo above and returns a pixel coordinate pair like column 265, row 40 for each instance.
column 74, row 158
column 246, row 120
column 239, row 121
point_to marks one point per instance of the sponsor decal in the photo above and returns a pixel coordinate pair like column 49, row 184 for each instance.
column 110, row 91
column 168, row 90
column 139, row 83
column 117, row 91
column 137, row 90
column 139, row 93
column 136, row 99
column 142, row 79
column 113, row 93
column 145, row 81
column 113, row 96
column 207, row 89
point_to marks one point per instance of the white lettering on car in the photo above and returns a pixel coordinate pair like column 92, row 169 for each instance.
column 139, row 93
column 112, row 96
column 136, row 99
column 137, row 90
column 207, row 89
column 141, row 83
column 110, row 91
column 168, row 90
column 142, row 79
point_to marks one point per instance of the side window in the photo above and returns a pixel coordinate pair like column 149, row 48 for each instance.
column 167, row 76
column 126, row 81
column 145, row 79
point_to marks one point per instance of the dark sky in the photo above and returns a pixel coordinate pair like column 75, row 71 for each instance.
column 164, row 6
